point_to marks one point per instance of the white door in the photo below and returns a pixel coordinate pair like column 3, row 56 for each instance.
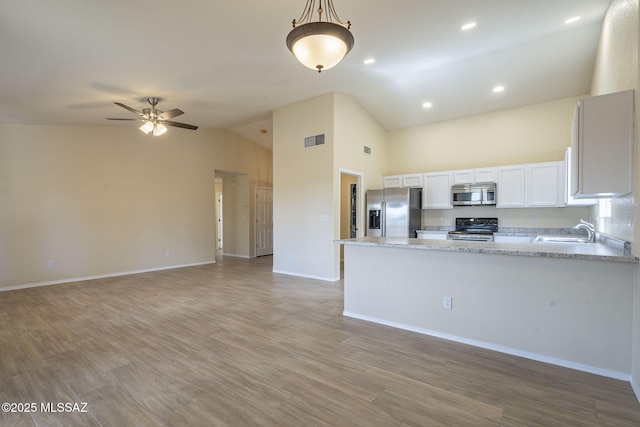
column 264, row 221
column 219, row 225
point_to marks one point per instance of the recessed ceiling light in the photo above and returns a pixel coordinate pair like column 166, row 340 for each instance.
column 570, row 20
column 369, row 61
column 498, row 89
column 468, row 26
column 427, row 105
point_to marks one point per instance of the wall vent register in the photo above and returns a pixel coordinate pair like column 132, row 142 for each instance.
column 314, row 141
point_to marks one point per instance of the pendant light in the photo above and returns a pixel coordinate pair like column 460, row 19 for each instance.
column 320, row 45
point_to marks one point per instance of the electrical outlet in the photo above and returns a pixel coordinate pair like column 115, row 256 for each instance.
column 168, row 252
column 50, row 264
column 447, row 303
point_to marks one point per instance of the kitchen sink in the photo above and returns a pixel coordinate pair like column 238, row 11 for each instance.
column 560, row 238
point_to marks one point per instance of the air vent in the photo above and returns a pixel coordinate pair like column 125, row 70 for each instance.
column 367, row 150
column 314, row 141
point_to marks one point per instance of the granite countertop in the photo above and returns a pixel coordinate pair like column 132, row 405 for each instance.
column 581, row 251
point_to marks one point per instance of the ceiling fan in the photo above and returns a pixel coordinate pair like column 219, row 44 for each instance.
column 155, row 121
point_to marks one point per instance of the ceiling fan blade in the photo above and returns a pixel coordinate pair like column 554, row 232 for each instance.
column 171, row 113
column 132, row 120
column 126, row 107
column 180, row 125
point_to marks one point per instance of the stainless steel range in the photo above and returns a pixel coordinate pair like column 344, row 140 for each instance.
column 479, row 229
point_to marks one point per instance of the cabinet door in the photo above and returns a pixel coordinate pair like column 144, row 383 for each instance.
column 510, row 187
column 463, row 176
column 603, row 143
column 392, row 181
column 544, row 185
column 485, row 174
column 432, row 235
column 570, row 177
column 436, row 190
column 413, row 180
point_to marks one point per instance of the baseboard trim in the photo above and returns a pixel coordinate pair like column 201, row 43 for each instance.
column 501, row 349
column 101, row 276
column 307, row 276
column 235, row 255
column 636, row 389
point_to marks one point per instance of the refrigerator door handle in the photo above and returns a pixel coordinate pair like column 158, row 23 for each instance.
column 383, row 218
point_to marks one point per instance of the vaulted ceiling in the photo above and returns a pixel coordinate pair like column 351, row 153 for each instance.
column 225, row 63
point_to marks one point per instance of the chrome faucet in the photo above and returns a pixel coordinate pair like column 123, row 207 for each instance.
column 591, row 231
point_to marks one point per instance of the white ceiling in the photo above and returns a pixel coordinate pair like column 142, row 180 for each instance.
column 226, row 65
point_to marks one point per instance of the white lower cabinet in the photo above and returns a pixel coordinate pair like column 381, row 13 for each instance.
column 436, row 190
column 433, row 235
column 518, row 239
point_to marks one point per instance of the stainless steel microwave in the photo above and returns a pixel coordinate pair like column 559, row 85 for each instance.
column 473, row 194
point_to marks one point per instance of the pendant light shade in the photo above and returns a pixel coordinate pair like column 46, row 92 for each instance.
column 320, row 45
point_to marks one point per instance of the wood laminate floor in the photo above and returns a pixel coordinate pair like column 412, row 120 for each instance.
column 234, row 344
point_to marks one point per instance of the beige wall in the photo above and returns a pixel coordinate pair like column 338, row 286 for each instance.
column 237, row 216
column 355, row 128
column 534, row 133
column 303, row 190
column 307, row 181
column 106, row 200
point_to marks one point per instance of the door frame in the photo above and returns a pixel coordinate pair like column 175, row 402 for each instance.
column 359, row 200
column 256, row 234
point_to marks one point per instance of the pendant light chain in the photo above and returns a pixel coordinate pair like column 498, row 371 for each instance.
column 330, row 16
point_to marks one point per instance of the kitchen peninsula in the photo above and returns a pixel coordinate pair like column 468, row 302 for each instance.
column 569, row 305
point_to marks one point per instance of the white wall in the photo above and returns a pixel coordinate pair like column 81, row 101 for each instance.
column 569, row 312
column 617, row 69
column 512, row 218
column 104, row 200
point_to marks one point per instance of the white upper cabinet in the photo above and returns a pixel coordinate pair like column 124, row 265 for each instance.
column 531, row 185
column 569, row 199
column 545, row 184
column 463, row 176
column 413, row 180
column 436, row 190
column 471, row 176
column 392, row 181
column 602, row 146
column 510, row 187
column 486, row 174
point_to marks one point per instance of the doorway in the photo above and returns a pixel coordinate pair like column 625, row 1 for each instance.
column 351, row 202
column 233, row 215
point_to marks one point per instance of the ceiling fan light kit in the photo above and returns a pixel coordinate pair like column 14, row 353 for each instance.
column 320, row 45
column 155, row 121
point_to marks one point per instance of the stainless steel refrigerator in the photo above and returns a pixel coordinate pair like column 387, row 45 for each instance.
column 394, row 212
